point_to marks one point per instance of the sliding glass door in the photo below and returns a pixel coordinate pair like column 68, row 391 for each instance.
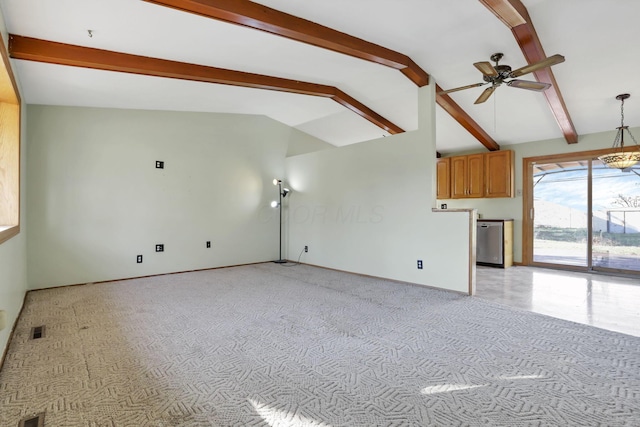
column 584, row 215
column 560, row 203
column 616, row 218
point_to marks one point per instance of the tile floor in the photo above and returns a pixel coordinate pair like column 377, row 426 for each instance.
column 607, row 302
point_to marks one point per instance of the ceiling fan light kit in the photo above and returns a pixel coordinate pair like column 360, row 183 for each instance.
column 498, row 74
column 620, row 159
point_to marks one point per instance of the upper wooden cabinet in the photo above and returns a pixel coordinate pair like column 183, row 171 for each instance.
column 467, row 176
column 443, row 169
column 477, row 175
column 498, row 177
column 475, row 171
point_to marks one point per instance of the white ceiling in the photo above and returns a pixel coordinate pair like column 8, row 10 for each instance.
column 445, row 38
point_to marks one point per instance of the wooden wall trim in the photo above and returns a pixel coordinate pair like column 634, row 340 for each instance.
column 9, row 233
column 32, row 49
column 8, row 94
column 10, row 149
column 527, row 205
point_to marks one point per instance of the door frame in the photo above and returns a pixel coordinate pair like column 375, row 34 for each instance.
column 527, row 207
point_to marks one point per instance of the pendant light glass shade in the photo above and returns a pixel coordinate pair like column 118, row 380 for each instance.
column 620, row 159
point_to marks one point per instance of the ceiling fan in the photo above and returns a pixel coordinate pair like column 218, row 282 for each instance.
column 498, row 74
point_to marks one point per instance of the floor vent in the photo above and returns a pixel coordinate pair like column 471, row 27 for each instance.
column 32, row 421
column 37, row 332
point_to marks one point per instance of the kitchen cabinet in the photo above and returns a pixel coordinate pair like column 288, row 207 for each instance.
column 476, row 175
column 498, row 177
column 467, row 176
column 443, row 168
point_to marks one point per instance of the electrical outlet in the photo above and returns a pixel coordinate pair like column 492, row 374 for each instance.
column 160, row 247
column 159, row 164
column 208, row 244
column 419, row 264
column 139, row 259
column 306, row 248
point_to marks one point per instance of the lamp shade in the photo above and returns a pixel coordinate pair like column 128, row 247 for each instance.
column 621, row 160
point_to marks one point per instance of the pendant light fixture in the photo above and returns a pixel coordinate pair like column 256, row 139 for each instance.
column 618, row 158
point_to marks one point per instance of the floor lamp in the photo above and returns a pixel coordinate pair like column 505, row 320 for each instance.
column 282, row 193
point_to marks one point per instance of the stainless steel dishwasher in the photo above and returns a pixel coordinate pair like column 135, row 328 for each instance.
column 490, row 243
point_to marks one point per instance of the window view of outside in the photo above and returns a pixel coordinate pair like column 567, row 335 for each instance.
column 561, row 215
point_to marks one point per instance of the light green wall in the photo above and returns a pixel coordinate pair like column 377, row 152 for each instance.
column 13, row 264
column 512, row 208
column 301, row 143
column 366, row 208
column 96, row 199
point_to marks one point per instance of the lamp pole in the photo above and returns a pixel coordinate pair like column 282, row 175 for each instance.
column 278, row 204
column 280, row 261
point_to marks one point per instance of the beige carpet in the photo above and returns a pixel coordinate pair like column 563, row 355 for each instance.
column 266, row 345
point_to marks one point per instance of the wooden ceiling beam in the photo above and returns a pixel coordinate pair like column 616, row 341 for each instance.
column 260, row 17
column 263, row 18
column 32, row 49
column 515, row 15
column 450, row 106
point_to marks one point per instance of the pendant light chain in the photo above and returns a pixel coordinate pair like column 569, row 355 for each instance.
column 622, row 122
column 621, row 133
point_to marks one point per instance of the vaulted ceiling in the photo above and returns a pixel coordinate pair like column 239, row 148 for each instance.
column 344, row 72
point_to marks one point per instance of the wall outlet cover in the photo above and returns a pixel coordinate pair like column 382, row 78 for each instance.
column 160, row 247
column 159, row 164
column 419, row 264
column 208, row 244
column 139, row 259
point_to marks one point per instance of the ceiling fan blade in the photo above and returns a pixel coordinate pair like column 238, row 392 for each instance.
column 486, row 68
column 526, row 84
column 552, row 60
column 460, row 88
column 485, row 94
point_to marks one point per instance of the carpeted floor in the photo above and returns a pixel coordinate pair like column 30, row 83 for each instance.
column 266, row 345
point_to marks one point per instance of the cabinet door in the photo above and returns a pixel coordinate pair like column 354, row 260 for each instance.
column 475, row 175
column 499, row 174
column 458, row 177
column 444, row 178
